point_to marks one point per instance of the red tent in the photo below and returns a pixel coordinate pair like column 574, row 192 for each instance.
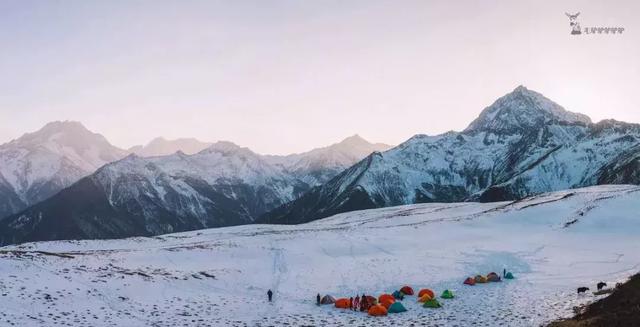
column 407, row 290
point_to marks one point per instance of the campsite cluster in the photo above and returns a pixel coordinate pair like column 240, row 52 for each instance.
column 490, row 277
column 390, row 303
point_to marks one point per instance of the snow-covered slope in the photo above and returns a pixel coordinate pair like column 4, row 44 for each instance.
column 522, row 144
column 162, row 147
column 553, row 243
column 37, row 165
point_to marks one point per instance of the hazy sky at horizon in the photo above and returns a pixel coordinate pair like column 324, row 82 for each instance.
column 287, row 76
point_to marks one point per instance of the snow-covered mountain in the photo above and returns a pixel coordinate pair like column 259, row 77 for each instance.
column 162, row 147
column 319, row 165
column 522, row 144
column 552, row 243
column 222, row 185
column 39, row 164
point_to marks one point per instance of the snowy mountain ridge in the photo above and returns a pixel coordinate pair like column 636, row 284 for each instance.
column 222, row 185
column 39, row 164
column 522, row 144
column 162, row 147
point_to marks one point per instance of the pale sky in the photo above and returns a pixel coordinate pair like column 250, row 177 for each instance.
column 287, row 76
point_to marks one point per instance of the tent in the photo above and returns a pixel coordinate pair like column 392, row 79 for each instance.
column 398, row 295
column 481, row 279
column 509, row 275
column 383, row 297
column 372, row 300
column 397, row 307
column 343, row 303
column 493, row 277
column 469, row 281
column 328, row 299
column 407, row 290
column 447, row 294
column 433, row 303
column 424, row 298
column 426, row 291
column 387, row 303
column 377, row 310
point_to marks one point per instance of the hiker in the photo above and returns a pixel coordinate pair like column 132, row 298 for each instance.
column 318, row 299
column 270, row 295
column 363, row 303
column 351, row 303
column 356, row 303
column 504, row 272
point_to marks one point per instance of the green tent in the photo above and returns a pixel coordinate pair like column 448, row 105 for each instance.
column 447, row 294
column 398, row 295
column 433, row 303
column 397, row 307
column 509, row 275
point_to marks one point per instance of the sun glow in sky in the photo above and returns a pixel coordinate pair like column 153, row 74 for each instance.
column 287, row 76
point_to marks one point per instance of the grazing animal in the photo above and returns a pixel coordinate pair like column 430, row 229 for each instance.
column 601, row 285
column 582, row 289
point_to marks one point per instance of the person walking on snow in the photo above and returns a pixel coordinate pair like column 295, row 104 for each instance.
column 270, row 295
column 356, row 303
column 318, row 299
column 351, row 303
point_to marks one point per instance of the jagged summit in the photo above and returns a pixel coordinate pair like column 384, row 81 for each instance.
column 523, row 109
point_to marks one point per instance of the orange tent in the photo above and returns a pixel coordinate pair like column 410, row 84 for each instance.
column 426, row 291
column 407, row 290
column 386, row 303
column 425, row 297
column 343, row 303
column 383, row 297
column 377, row 310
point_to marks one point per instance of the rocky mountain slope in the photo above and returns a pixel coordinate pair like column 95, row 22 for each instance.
column 39, row 164
column 522, row 144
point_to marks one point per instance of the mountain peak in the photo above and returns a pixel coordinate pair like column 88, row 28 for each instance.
column 161, row 146
column 523, row 109
column 227, row 147
column 354, row 139
column 64, row 133
column 66, row 126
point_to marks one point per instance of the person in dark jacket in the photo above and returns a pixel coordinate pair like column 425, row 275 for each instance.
column 270, row 295
column 351, row 303
column 364, row 303
column 356, row 303
column 318, row 299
